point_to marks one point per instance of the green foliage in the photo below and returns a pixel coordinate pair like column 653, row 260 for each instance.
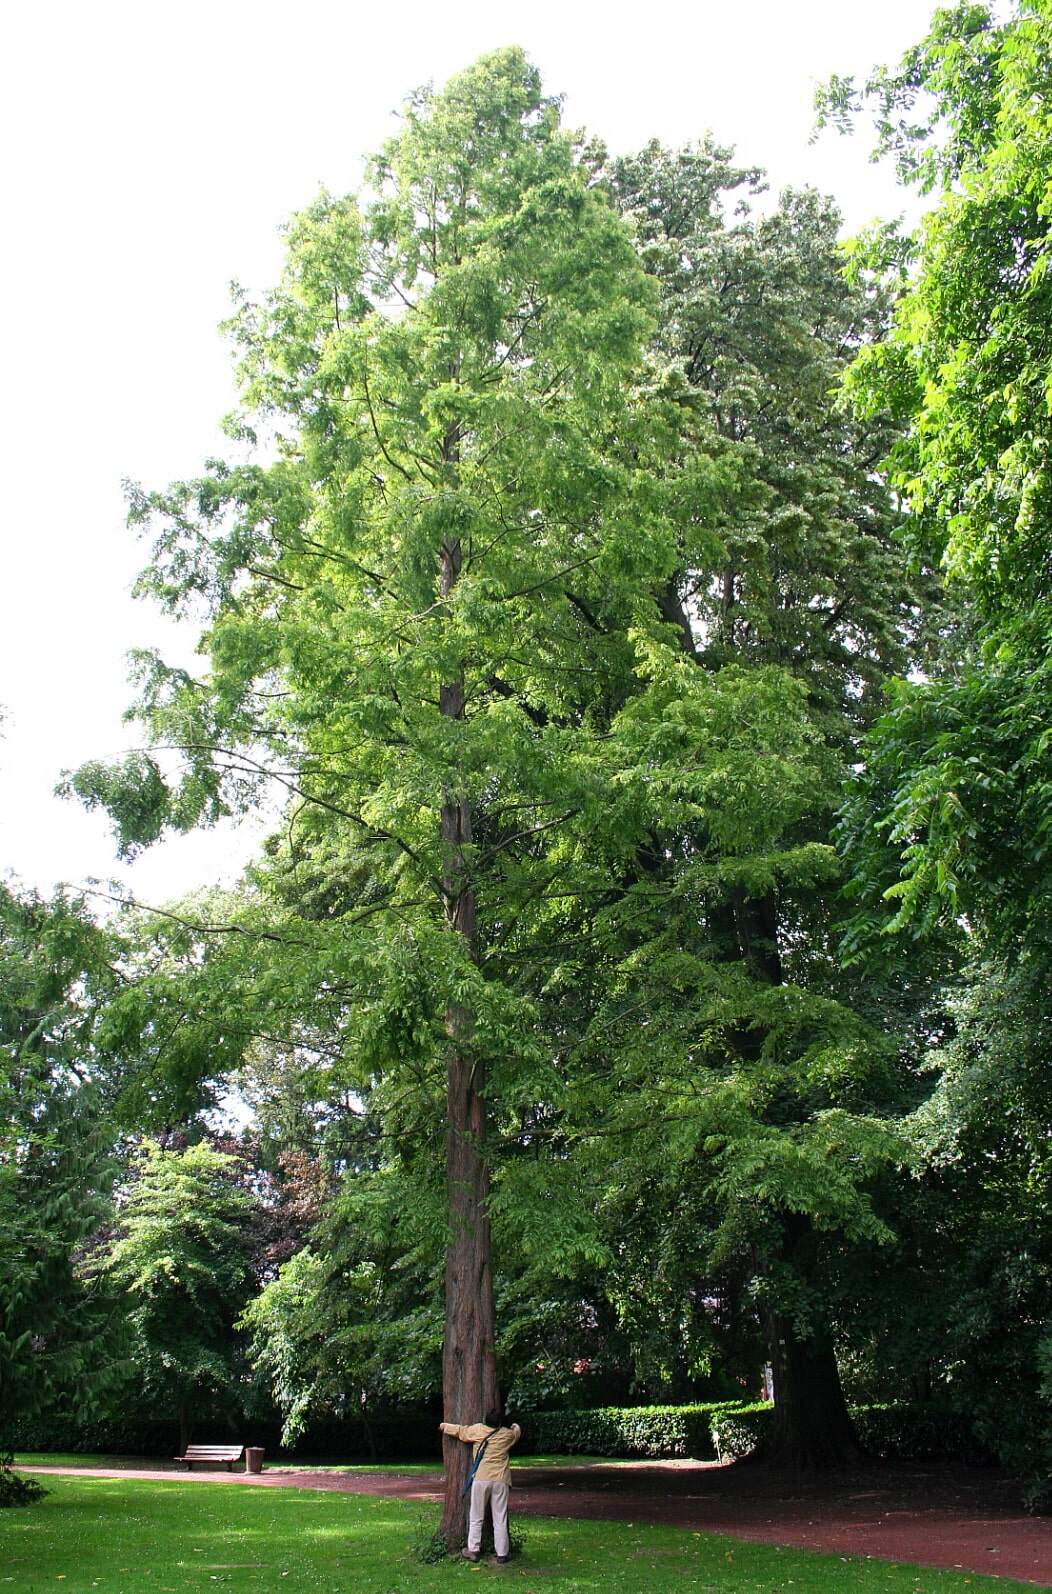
column 284, row 1327
column 178, row 1260
column 947, row 828
column 962, row 773
column 956, row 800
column 918, row 1432
column 365, row 1435
column 741, row 1429
column 654, row 1431
column 353, row 1323
column 56, row 1082
column 14, row 1489
column 794, row 562
column 985, row 1134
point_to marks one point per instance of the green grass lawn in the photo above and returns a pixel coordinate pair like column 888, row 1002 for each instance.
column 282, row 1464
column 57, row 1458
column 40, row 1458
column 118, row 1536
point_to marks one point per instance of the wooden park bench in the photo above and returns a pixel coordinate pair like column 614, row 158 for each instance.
column 227, row 1453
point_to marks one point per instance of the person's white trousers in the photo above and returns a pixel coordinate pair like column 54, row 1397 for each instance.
column 497, row 1495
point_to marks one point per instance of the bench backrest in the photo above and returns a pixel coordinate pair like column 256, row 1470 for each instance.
column 213, row 1452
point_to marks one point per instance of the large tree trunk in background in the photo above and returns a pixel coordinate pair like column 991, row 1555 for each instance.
column 469, row 1369
column 812, row 1429
column 184, row 1427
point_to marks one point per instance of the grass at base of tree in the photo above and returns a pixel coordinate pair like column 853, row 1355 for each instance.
column 117, row 1536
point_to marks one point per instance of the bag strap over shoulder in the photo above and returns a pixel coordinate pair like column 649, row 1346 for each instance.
column 479, row 1453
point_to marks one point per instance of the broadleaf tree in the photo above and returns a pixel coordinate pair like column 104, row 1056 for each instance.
column 58, row 973
column 178, row 1261
column 948, row 827
column 799, row 576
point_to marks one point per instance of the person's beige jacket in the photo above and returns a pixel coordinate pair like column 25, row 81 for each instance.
column 494, row 1467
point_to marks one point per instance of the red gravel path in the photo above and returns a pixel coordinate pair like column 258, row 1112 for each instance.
column 966, row 1519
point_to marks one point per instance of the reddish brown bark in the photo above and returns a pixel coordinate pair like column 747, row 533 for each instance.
column 469, row 1371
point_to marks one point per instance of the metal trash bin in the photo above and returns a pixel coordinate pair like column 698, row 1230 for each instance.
column 253, row 1459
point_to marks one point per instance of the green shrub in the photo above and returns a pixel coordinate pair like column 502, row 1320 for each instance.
column 738, row 1429
column 428, row 1546
column 627, row 1431
column 890, row 1432
column 16, row 1490
column 389, row 1436
column 922, row 1432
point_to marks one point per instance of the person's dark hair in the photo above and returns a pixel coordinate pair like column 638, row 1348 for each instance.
column 495, row 1418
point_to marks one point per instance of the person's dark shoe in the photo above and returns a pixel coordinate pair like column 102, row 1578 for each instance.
column 472, row 1555
column 502, row 1560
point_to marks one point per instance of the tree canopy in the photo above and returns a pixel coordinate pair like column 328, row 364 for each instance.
column 633, row 605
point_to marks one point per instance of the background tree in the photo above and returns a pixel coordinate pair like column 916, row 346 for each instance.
column 951, row 821
column 58, row 970
column 179, row 1261
column 794, row 572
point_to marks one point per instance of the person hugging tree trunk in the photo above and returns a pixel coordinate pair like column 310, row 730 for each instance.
column 489, row 1478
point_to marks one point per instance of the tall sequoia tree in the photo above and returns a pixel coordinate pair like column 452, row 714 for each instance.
column 558, row 650
column 420, row 610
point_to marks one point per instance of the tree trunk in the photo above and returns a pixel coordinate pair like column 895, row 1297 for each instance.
column 469, row 1367
column 673, row 610
column 184, row 1427
column 812, row 1429
column 469, row 1370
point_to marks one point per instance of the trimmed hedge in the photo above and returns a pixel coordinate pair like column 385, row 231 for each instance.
column 738, row 1429
column 916, row 1433
column 134, row 1436
column 640, row 1431
column 891, row 1433
column 706, row 1432
column 388, row 1437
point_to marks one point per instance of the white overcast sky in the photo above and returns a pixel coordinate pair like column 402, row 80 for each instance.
column 151, row 153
